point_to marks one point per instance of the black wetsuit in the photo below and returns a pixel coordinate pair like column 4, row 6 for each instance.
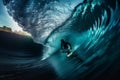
column 66, row 46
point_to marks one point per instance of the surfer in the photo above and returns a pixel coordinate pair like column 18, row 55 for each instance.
column 66, row 47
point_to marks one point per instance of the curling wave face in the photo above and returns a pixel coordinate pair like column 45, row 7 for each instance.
column 91, row 30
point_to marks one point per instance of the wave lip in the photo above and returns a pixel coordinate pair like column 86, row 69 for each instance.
column 40, row 17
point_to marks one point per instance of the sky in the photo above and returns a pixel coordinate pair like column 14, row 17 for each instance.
column 6, row 20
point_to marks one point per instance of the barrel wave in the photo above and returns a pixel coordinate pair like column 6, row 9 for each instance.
column 92, row 27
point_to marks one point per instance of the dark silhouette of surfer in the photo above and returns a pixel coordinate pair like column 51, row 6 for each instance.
column 66, row 47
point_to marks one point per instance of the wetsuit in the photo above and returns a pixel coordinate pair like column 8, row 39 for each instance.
column 66, row 47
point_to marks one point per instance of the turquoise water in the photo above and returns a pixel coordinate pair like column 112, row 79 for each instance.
column 92, row 27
